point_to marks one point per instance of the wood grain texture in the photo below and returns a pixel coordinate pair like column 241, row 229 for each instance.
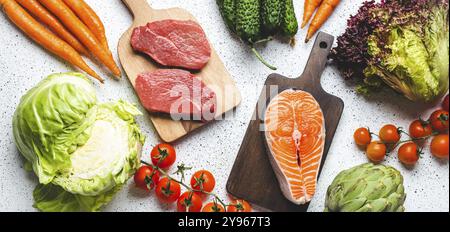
column 252, row 177
column 214, row 74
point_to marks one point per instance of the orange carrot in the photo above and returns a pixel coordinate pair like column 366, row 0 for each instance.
column 44, row 37
column 323, row 13
column 38, row 11
column 310, row 7
column 82, row 32
column 90, row 18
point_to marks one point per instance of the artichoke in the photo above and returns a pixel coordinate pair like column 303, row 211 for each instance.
column 366, row 188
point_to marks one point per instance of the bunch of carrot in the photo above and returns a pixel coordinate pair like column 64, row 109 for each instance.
column 324, row 9
column 75, row 29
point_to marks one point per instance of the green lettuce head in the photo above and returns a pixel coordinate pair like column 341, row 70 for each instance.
column 400, row 44
column 81, row 151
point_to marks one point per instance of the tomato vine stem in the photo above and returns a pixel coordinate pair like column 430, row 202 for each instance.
column 409, row 140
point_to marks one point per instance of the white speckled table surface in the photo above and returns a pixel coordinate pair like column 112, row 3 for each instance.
column 23, row 64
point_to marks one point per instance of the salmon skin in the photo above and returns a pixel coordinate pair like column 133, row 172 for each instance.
column 295, row 137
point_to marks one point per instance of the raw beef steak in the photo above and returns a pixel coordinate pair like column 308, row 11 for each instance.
column 178, row 93
column 173, row 43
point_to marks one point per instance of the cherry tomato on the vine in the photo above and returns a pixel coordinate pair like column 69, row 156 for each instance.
column 362, row 136
column 189, row 202
column 439, row 120
column 239, row 206
column 439, row 146
column 203, row 180
column 146, row 177
column 167, row 191
column 163, row 155
column 408, row 153
column 212, row 207
column 376, row 151
column 389, row 134
column 420, row 129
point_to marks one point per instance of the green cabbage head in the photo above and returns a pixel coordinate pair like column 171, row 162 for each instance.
column 82, row 151
column 366, row 188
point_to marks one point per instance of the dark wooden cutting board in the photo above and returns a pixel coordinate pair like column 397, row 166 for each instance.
column 252, row 177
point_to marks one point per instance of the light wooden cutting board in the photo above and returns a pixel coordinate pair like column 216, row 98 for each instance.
column 214, row 74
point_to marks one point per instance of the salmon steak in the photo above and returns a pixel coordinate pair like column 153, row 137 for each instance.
column 295, row 137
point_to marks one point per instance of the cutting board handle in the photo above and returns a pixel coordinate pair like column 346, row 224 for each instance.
column 139, row 8
column 317, row 60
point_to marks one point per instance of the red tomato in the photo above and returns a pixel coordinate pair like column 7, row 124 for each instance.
column 439, row 146
column 167, row 191
column 212, row 207
column 146, row 177
column 376, row 151
column 445, row 103
column 439, row 120
column 408, row 154
column 420, row 129
column 362, row 137
column 163, row 155
column 389, row 134
column 189, row 202
column 203, row 180
column 239, row 206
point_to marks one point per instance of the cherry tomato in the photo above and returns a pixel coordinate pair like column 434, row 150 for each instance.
column 163, row 155
column 362, row 137
column 445, row 103
column 239, row 206
column 420, row 129
column 439, row 146
column 439, row 120
column 189, row 202
column 203, row 180
column 167, row 191
column 376, row 151
column 408, row 153
column 389, row 134
column 146, row 177
column 212, row 207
